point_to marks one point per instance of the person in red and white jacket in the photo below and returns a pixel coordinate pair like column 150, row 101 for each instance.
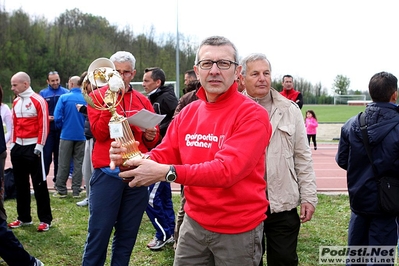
column 29, row 133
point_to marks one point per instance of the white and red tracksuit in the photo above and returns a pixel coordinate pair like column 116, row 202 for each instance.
column 30, row 129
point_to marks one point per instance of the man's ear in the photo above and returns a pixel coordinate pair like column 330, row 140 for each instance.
column 394, row 97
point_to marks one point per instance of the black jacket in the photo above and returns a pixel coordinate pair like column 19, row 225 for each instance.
column 3, row 148
column 164, row 102
column 88, row 133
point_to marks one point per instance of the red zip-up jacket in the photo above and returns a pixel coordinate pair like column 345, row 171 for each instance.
column 30, row 119
column 218, row 150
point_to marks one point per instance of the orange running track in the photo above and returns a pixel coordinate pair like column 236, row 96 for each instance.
column 329, row 177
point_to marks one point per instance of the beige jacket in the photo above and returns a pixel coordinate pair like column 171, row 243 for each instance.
column 290, row 176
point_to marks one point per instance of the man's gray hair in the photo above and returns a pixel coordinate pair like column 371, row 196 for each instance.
column 251, row 58
column 123, row 56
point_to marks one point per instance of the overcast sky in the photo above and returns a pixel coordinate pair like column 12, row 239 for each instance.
column 311, row 39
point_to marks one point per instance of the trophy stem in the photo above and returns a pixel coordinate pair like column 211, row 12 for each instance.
column 128, row 141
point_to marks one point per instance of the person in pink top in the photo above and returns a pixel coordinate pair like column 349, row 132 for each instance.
column 215, row 147
column 311, row 127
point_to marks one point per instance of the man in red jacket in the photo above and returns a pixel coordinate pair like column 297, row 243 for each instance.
column 113, row 204
column 215, row 147
column 289, row 92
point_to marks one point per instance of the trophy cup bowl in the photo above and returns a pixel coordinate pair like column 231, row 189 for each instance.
column 101, row 72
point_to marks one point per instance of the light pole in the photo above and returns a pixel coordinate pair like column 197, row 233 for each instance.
column 177, row 51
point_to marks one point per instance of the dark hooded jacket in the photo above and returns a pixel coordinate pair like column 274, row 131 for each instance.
column 3, row 148
column 382, row 120
column 164, row 101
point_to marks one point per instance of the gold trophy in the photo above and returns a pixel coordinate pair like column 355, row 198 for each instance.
column 102, row 73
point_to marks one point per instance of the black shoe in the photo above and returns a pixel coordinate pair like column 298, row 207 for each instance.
column 315, row 148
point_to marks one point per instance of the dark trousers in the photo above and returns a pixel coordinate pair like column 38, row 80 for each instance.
column 313, row 138
column 280, row 236
column 50, row 151
column 372, row 230
column 160, row 210
column 26, row 163
column 3, row 157
column 113, row 204
column 11, row 250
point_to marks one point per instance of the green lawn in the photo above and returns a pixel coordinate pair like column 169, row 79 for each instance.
column 63, row 243
column 333, row 113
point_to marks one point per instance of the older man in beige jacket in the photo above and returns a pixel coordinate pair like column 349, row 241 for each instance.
column 290, row 175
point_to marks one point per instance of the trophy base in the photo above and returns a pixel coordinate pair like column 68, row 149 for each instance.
column 124, row 167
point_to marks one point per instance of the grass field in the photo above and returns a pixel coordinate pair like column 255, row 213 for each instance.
column 63, row 244
column 333, row 113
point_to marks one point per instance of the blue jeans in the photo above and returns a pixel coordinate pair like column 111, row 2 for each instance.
column 113, row 204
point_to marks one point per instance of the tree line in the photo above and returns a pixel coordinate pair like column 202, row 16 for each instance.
column 70, row 43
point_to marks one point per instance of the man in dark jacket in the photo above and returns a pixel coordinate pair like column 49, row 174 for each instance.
column 369, row 226
column 160, row 205
column 51, row 94
column 163, row 98
column 11, row 250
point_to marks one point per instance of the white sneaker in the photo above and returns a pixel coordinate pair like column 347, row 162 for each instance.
column 38, row 263
column 83, row 203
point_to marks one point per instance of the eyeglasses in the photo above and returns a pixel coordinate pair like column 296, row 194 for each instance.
column 125, row 73
column 52, row 72
column 221, row 64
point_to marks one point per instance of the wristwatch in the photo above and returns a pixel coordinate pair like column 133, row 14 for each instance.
column 171, row 175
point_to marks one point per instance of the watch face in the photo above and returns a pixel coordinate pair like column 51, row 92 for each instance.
column 171, row 177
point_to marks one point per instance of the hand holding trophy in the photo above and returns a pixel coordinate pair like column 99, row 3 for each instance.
column 102, row 73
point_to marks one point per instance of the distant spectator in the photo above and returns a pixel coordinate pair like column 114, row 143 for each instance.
column 311, row 125
column 87, row 166
column 289, row 91
column 51, row 94
column 188, row 97
column 72, row 142
column 189, row 77
column 162, row 97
